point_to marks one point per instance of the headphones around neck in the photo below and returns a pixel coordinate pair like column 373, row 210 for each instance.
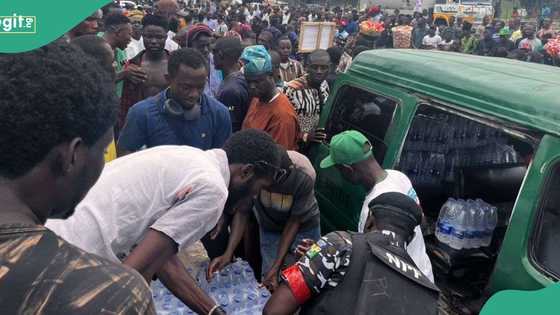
column 175, row 109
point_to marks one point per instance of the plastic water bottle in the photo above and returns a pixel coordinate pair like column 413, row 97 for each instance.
column 478, row 224
column 223, row 299
column 240, row 291
column 237, row 275
column 237, row 304
column 248, row 274
column 213, row 290
column 225, row 277
column 491, row 220
column 234, row 288
column 485, row 233
column 166, row 303
column 443, row 230
column 157, row 292
column 457, row 239
column 438, row 168
column 179, row 304
column 470, row 229
column 264, row 294
column 252, row 305
column 252, row 298
column 416, row 173
column 220, row 278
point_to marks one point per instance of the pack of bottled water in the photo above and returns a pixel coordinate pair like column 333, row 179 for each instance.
column 234, row 288
column 437, row 146
column 465, row 224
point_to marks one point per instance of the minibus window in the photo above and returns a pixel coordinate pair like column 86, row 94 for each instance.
column 369, row 113
column 546, row 245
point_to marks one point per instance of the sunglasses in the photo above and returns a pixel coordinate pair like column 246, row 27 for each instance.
column 278, row 173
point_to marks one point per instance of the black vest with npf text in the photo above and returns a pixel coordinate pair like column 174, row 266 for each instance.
column 381, row 280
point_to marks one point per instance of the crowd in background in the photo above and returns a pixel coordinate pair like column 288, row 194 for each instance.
column 376, row 28
column 143, row 39
column 381, row 29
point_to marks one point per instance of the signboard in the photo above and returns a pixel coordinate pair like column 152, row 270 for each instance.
column 316, row 35
column 462, row 9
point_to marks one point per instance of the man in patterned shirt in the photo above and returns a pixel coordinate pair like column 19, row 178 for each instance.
column 309, row 94
column 402, row 34
column 58, row 110
column 351, row 273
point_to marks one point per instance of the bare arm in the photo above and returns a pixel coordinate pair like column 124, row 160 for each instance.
column 281, row 302
column 176, row 278
column 151, row 254
column 121, row 75
column 288, row 236
column 156, row 255
column 132, row 72
column 238, row 227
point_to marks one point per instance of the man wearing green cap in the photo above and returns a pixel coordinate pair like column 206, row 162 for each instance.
column 351, row 154
column 503, row 43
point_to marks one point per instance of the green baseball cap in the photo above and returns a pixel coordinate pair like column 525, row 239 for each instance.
column 505, row 31
column 348, row 147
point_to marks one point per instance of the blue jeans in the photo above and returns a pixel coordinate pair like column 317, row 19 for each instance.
column 271, row 240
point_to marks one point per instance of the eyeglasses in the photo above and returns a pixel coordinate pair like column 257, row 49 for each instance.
column 278, row 173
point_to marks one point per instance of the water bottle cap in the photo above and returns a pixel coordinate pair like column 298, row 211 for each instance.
column 459, row 234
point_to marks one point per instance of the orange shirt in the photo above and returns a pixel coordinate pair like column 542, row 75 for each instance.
column 276, row 118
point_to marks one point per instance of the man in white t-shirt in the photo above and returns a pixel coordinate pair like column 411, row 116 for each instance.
column 148, row 205
column 432, row 40
column 350, row 152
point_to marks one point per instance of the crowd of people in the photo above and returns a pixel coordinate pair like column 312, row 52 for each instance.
column 535, row 41
column 204, row 116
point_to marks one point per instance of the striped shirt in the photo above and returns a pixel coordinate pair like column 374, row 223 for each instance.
column 291, row 70
column 307, row 101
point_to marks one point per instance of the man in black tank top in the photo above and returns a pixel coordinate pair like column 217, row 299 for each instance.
column 351, row 273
